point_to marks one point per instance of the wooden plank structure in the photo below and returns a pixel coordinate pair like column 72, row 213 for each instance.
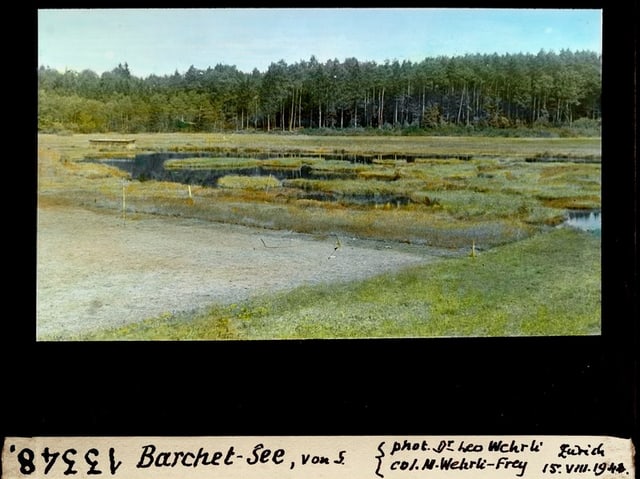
column 129, row 144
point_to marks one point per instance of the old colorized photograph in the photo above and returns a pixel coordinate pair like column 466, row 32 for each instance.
column 278, row 174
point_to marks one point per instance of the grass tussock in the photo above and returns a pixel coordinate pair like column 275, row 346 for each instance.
column 385, row 174
column 210, row 163
column 285, row 163
column 248, row 182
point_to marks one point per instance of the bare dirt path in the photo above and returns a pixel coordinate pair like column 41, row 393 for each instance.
column 95, row 270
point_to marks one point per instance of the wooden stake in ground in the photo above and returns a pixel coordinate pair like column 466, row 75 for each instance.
column 190, row 201
column 336, row 247
column 124, row 202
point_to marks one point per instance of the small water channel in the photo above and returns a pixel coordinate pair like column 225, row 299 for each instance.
column 584, row 220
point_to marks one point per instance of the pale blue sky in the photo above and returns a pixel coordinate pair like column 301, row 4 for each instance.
column 160, row 41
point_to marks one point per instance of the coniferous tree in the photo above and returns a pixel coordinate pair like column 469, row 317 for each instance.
column 468, row 91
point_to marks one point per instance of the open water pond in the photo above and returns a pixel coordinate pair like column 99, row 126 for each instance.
column 151, row 166
column 205, row 169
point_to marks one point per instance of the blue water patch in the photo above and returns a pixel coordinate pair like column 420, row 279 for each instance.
column 585, row 220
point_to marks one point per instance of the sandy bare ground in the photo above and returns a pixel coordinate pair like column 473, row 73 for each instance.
column 95, row 270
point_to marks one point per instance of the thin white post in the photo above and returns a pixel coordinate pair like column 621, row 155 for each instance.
column 124, row 203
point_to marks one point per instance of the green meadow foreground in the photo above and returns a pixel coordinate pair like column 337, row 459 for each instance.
column 464, row 239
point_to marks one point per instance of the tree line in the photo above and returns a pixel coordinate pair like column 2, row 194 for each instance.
column 479, row 91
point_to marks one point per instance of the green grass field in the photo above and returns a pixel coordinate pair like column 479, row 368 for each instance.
column 530, row 277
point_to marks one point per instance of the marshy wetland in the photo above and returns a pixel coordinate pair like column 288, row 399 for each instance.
column 321, row 237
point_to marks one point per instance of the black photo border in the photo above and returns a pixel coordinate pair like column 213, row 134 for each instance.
column 450, row 386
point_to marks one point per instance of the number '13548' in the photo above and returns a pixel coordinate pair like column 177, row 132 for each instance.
column 91, row 462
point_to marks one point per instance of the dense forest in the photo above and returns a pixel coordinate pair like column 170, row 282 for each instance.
column 473, row 91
